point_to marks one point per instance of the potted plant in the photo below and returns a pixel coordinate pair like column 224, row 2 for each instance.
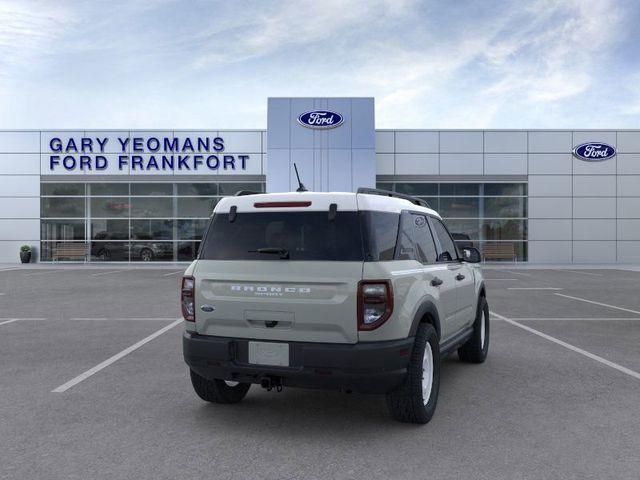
column 25, row 253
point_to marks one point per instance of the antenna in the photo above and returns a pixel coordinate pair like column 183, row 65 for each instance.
column 301, row 187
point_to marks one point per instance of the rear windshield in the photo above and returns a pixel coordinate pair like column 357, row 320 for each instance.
column 350, row 236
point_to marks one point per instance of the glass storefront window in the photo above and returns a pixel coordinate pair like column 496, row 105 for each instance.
column 65, row 230
column 417, row 189
column 151, row 207
column 505, row 189
column 108, row 189
column 459, row 189
column 511, row 207
column 139, row 221
column 110, row 207
column 110, row 251
column 197, row 189
column 471, row 228
column 520, row 248
column 62, row 207
column 62, row 189
column 102, row 229
column 152, row 251
column 196, row 207
column 152, row 189
column 504, row 229
column 191, row 229
column 151, row 229
column 187, row 251
column 230, row 188
column 459, row 207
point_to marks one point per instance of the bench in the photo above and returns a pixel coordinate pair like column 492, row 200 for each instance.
column 70, row 250
column 499, row 251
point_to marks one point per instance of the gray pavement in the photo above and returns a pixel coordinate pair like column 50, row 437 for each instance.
column 535, row 409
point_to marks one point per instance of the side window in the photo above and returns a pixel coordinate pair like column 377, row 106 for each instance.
column 414, row 239
column 449, row 252
column 405, row 249
column 380, row 230
column 424, row 241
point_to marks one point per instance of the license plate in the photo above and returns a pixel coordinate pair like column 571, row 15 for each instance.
column 268, row 353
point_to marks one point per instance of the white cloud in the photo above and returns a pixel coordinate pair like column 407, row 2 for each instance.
column 28, row 29
column 293, row 23
column 173, row 64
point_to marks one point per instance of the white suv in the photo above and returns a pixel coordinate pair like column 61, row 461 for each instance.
column 352, row 291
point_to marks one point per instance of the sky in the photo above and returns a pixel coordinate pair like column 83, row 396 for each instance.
column 429, row 64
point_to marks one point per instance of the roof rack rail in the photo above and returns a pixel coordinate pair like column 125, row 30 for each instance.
column 387, row 193
column 242, row 193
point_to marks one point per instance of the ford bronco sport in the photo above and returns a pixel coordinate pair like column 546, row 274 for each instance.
column 362, row 292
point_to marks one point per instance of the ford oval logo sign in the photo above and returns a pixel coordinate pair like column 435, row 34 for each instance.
column 321, row 119
column 594, row 151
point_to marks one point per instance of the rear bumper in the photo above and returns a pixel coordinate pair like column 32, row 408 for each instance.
column 373, row 367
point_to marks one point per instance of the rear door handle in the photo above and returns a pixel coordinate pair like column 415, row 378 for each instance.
column 436, row 282
column 460, row 277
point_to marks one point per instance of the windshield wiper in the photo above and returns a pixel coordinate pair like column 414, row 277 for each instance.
column 283, row 252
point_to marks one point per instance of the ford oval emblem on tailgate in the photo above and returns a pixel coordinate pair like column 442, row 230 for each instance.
column 320, row 119
column 207, row 308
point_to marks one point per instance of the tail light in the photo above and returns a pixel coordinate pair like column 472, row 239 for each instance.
column 375, row 303
column 187, row 298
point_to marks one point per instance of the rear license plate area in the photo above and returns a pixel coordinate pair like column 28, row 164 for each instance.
column 269, row 353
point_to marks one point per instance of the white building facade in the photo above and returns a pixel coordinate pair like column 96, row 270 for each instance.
column 548, row 196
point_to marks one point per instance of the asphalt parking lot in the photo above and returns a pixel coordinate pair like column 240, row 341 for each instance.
column 558, row 397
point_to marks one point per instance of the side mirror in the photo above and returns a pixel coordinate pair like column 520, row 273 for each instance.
column 471, row 255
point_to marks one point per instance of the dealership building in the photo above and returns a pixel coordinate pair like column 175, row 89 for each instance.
column 537, row 196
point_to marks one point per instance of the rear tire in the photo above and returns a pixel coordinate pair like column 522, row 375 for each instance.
column 475, row 350
column 218, row 391
column 415, row 400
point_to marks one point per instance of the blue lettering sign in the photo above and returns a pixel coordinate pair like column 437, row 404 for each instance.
column 55, row 144
column 88, row 145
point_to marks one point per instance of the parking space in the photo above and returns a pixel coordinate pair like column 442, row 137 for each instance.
column 544, row 405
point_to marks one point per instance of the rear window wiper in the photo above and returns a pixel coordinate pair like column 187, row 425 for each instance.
column 283, row 252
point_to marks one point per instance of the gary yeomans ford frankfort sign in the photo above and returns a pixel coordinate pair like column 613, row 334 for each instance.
column 140, row 154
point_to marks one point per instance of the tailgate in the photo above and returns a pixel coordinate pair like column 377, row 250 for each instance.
column 304, row 301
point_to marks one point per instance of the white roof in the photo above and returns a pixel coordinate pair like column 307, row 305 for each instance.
column 320, row 201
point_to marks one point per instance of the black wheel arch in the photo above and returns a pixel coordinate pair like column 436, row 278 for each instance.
column 482, row 291
column 427, row 313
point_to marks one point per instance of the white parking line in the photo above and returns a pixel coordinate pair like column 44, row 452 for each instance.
column 579, row 272
column 598, row 303
column 155, row 319
column 19, row 319
column 106, row 273
column 2, row 294
column 40, row 273
column 503, row 279
column 534, row 288
column 573, row 348
column 519, row 273
column 83, row 376
column 578, row 319
column 173, row 273
column 10, row 269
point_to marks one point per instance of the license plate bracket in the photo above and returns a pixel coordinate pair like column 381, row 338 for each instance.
column 269, row 353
